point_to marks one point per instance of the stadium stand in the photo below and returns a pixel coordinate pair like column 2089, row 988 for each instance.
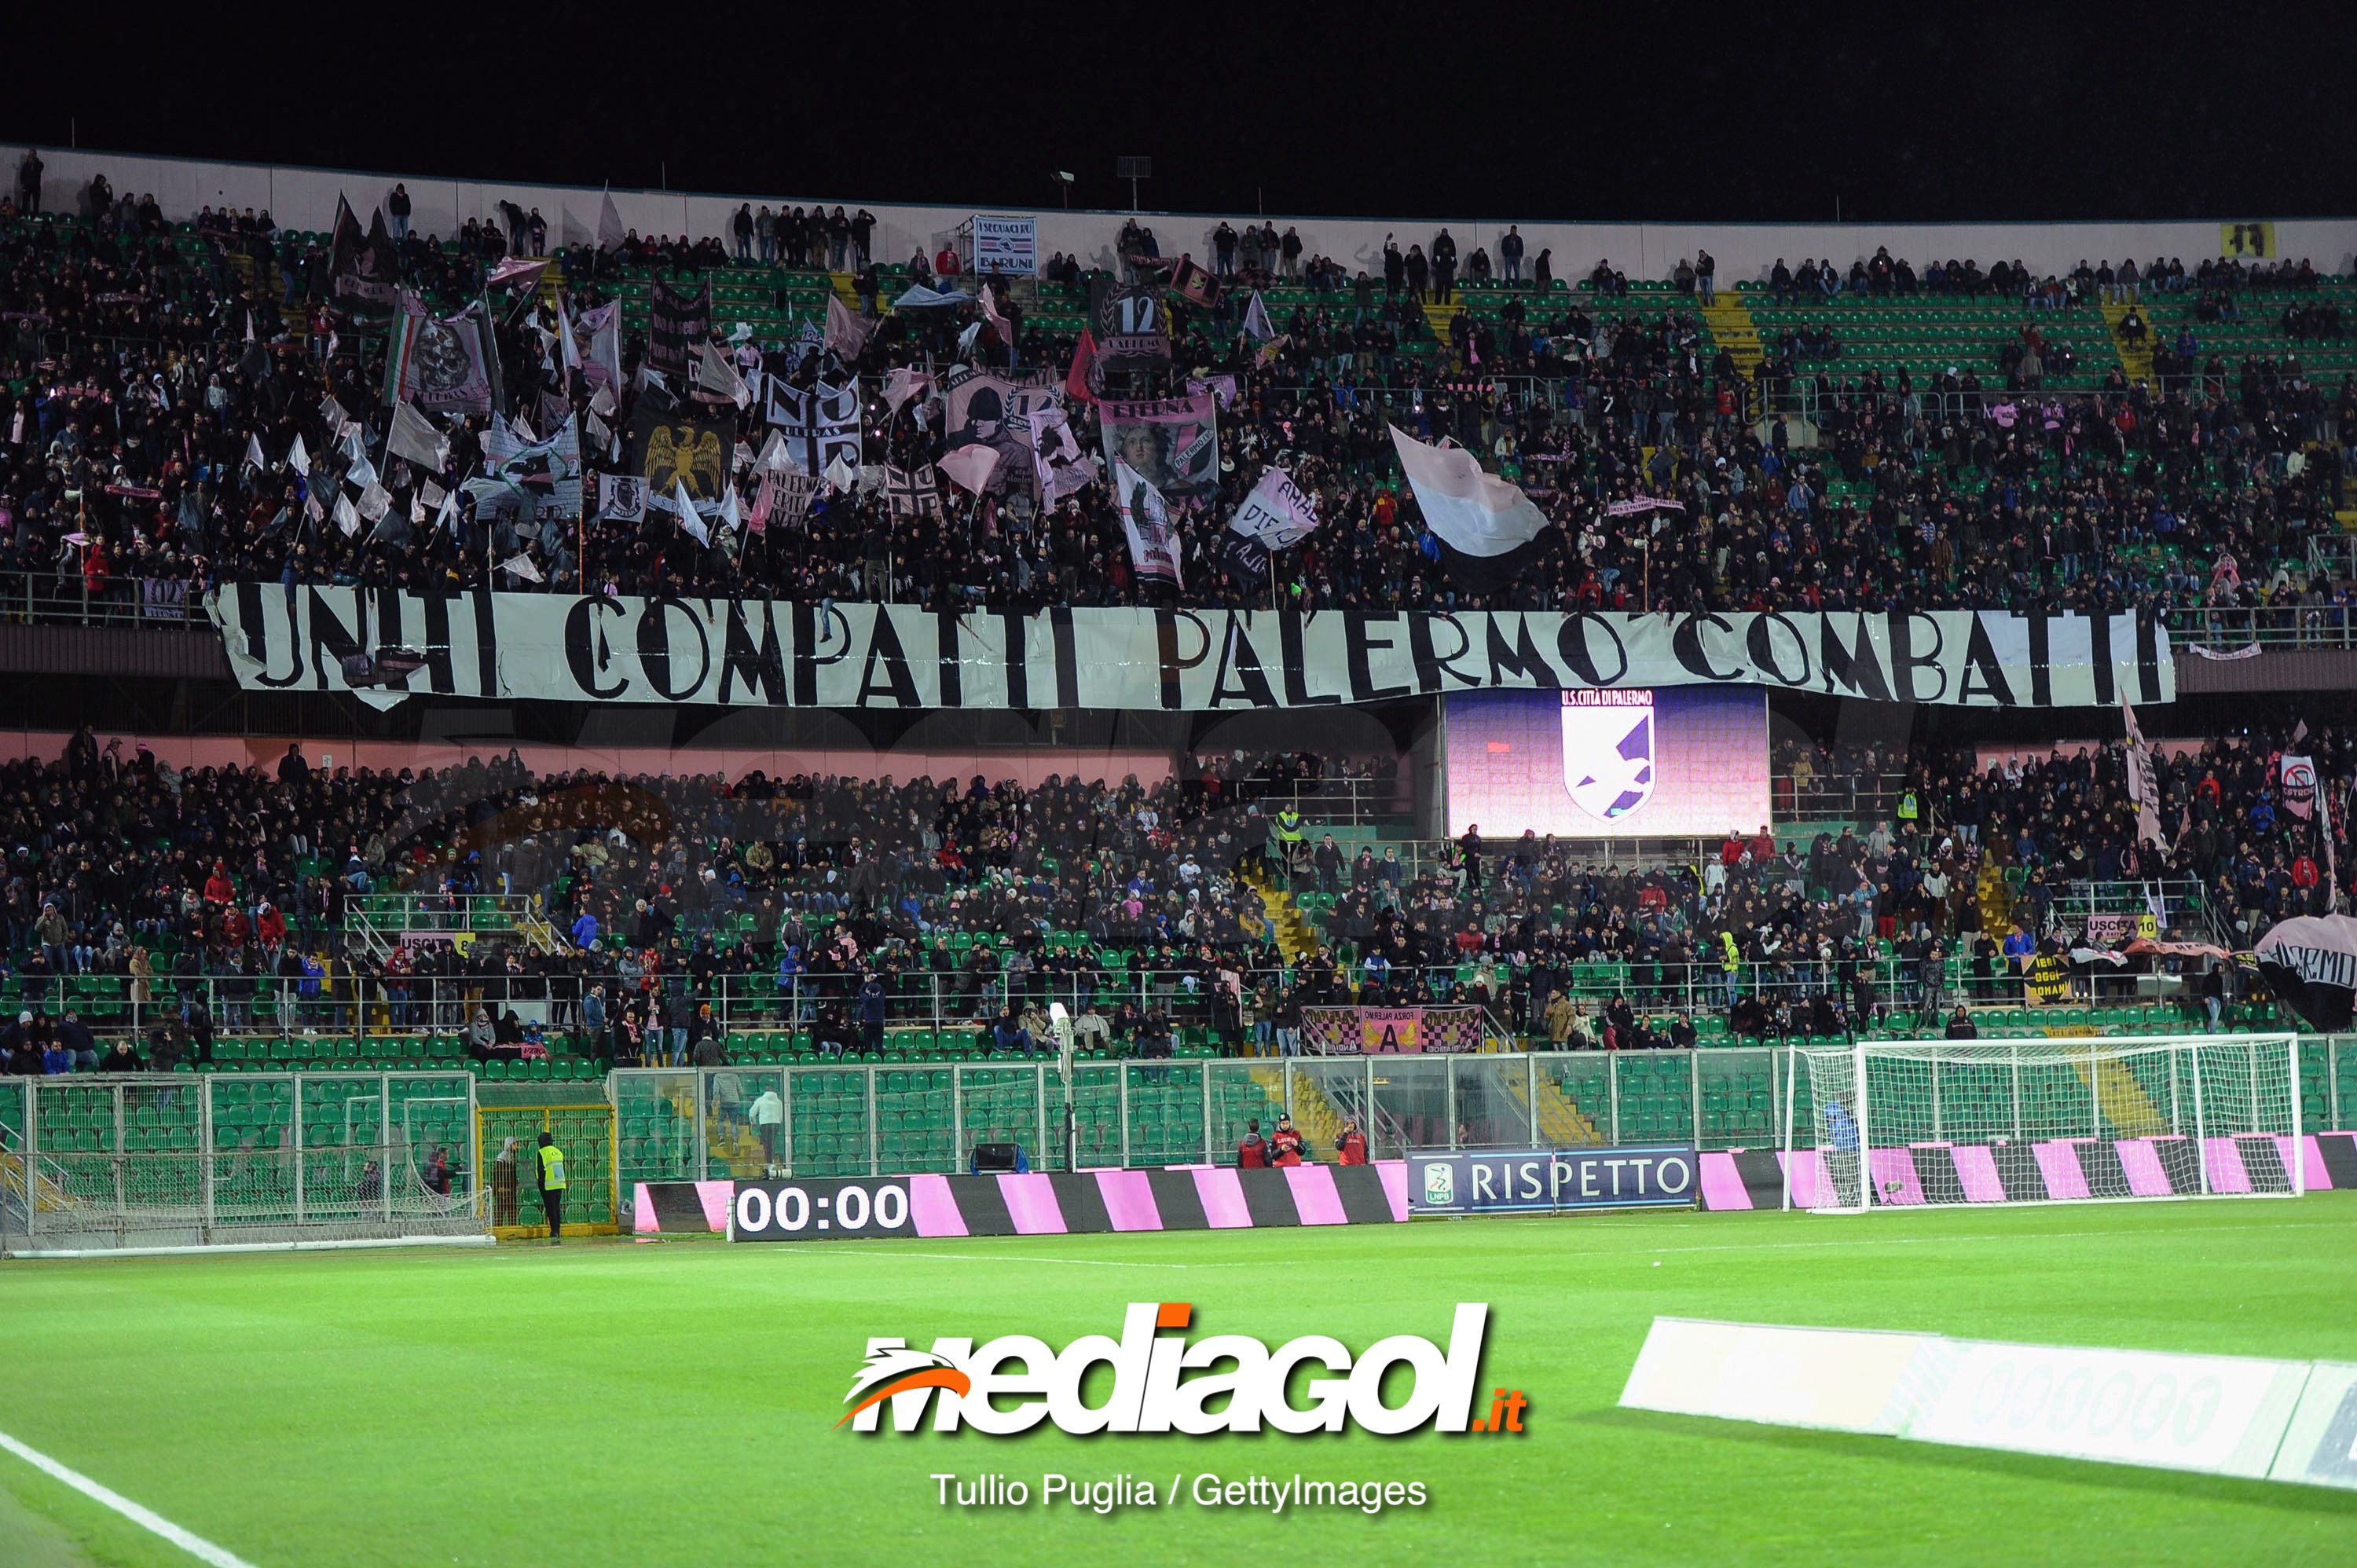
column 246, row 921
column 193, row 400
column 1880, row 438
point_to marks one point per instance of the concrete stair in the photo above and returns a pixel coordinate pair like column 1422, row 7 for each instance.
column 1296, row 937
column 1440, row 317
column 2123, row 1100
column 1319, row 1118
column 1732, row 328
column 2137, row 361
column 1562, row 1123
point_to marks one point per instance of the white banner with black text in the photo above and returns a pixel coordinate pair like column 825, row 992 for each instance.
column 563, row 647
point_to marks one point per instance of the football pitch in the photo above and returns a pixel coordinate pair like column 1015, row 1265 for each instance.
column 676, row 1403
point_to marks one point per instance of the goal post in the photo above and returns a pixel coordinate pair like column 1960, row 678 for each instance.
column 1912, row 1123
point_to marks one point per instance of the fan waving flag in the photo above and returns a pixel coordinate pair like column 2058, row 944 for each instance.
column 914, row 493
column 1083, row 379
column 611, row 234
column 970, row 467
column 846, row 333
column 1277, row 513
column 1146, row 521
column 415, row 437
column 904, row 384
column 1490, row 532
column 1191, row 283
column 1257, row 322
column 689, row 522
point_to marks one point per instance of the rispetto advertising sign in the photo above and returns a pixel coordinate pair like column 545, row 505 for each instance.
column 1526, row 1181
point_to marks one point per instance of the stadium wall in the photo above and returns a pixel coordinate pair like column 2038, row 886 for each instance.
column 1030, row 768
column 305, row 198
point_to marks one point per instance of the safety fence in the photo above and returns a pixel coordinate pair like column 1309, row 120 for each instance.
column 188, row 1160
column 710, row 1124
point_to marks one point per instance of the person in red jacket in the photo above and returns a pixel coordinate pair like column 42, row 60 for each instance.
column 1350, row 1147
column 1285, row 1147
column 1252, row 1149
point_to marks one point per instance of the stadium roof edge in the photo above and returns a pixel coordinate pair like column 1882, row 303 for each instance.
column 13, row 151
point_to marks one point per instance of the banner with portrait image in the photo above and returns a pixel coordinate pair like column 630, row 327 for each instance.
column 988, row 408
column 1171, row 443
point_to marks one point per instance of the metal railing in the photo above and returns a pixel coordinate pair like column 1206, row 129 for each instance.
column 1844, row 797
column 370, row 1017
column 1336, row 802
column 2231, row 630
column 65, row 598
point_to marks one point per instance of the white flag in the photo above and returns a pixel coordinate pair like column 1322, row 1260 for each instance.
column 522, row 566
column 1146, row 519
column 840, row 476
column 568, row 351
column 447, row 515
column 413, row 436
column 1277, row 513
column 375, row 501
column 610, row 224
column 253, row 458
column 1257, row 322
column 2144, row 785
column 1473, row 512
column 689, row 522
column 776, row 458
column 714, row 373
column 729, row 517
column 298, row 457
column 347, row 516
column 904, row 384
column 845, row 334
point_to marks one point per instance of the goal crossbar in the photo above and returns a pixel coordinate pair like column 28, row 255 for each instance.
column 1910, row 1123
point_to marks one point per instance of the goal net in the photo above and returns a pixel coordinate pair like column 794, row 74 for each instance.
column 1911, row 1122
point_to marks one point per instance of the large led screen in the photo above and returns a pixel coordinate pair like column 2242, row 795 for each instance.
column 1676, row 762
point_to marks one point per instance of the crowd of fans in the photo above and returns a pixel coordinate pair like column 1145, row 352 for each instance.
column 840, row 903
column 142, row 374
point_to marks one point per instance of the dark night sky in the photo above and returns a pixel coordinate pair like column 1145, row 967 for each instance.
column 1904, row 113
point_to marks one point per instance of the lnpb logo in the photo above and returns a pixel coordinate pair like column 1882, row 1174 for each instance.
column 1162, row 1381
column 1609, row 751
column 1439, row 1184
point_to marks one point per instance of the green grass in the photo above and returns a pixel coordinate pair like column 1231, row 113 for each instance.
column 674, row 1403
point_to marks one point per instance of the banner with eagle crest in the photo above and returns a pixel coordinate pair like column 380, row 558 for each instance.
column 674, row 448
